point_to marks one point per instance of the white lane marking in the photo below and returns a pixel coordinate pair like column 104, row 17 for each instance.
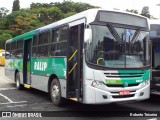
column 6, row 97
column 17, row 105
column 1, row 89
column 13, row 102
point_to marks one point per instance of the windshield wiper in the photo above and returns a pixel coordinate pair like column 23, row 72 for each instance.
column 114, row 33
column 136, row 34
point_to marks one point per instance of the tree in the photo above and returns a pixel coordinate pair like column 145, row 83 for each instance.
column 21, row 22
column 132, row 11
column 38, row 15
column 3, row 12
column 145, row 12
column 49, row 15
column 79, row 6
column 25, row 23
column 40, row 5
column 16, row 5
column 69, row 6
column 3, row 38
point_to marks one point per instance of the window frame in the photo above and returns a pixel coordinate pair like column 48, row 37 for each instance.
column 58, row 41
column 42, row 44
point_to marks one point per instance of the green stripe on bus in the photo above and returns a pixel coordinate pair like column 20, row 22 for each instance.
column 113, row 81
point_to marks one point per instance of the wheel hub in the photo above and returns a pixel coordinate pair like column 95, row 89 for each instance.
column 55, row 92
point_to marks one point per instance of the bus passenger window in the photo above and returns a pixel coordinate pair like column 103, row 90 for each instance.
column 34, row 52
column 43, row 51
column 59, row 44
column 34, row 48
column 8, row 48
column 7, row 55
column 19, row 51
column 53, row 48
column 55, row 37
column 43, row 37
column 43, row 44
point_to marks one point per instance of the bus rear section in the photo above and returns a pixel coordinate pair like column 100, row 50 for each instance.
column 2, row 57
column 155, row 39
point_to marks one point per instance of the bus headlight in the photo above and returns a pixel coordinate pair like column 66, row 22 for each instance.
column 96, row 83
column 146, row 82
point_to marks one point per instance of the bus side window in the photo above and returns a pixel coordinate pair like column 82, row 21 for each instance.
column 43, row 51
column 59, row 41
column 54, row 41
column 13, row 49
column 43, row 44
column 53, row 48
column 34, row 46
column 8, row 47
column 19, row 51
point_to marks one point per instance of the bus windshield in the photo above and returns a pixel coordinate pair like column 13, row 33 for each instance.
column 117, row 47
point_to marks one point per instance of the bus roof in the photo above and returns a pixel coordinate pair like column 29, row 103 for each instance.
column 154, row 29
column 89, row 14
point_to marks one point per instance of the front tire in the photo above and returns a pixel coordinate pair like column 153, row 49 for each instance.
column 55, row 92
column 18, row 84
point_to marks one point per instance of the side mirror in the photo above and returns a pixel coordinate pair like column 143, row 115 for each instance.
column 88, row 35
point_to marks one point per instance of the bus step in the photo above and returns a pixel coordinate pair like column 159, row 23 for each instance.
column 74, row 99
column 155, row 92
column 158, row 85
column 27, row 86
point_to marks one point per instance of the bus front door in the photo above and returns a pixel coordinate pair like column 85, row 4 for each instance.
column 27, row 62
column 74, row 63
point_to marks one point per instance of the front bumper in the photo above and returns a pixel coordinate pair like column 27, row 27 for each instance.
column 97, row 96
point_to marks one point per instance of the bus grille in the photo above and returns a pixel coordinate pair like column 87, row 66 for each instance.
column 123, row 96
column 121, row 85
column 118, row 92
column 123, row 75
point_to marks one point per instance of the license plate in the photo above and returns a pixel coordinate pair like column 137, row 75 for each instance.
column 124, row 92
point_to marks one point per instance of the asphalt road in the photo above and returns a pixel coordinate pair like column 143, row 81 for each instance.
column 31, row 100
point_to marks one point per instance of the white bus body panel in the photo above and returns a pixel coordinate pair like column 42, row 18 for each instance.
column 94, row 95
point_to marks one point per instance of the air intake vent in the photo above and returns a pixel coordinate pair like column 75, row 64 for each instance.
column 123, row 96
column 121, row 85
column 123, row 75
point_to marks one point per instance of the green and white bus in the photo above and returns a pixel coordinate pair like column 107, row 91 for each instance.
column 94, row 57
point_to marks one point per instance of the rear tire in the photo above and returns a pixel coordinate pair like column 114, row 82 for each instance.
column 55, row 92
column 19, row 86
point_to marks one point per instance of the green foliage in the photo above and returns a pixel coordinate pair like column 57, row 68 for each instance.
column 3, row 38
column 146, row 15
column 69, row 14
column 132, row 11
column 145, row 12
column 69, row 6
column 21, row 22
column 6, row 32
column 3, row 12
column 24, row 24
column 16, row 5
column 10, row 19
column 40, row 5
column 48, row 15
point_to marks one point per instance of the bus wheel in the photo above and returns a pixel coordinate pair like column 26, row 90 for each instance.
column 18, row 84
column 55, row 92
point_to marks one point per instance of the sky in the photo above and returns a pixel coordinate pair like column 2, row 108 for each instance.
column 106, row 4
